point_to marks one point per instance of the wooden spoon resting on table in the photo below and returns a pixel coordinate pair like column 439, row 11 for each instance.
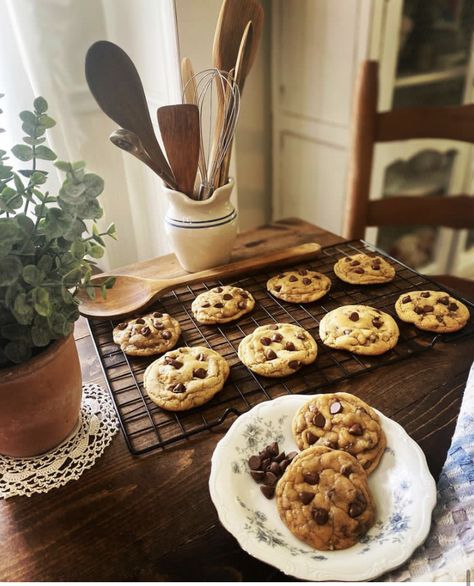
column 129, row 294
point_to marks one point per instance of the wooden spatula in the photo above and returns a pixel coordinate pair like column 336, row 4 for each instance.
column 115, row 84
column 129, row 294
column 179, row 127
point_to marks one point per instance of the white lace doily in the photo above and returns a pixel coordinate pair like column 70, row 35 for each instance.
column 97, row 425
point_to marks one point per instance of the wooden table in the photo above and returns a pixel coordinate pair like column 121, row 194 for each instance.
column 151, row 517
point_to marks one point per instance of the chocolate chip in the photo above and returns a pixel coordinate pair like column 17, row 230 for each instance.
column 174, row 363
column 140, row 321
column 227, row 296
column 356, row 429
column 301, row 336
column 242, row 304
column 257, row 475
column 270, row 479
column 335, row 407
column 290, row 346
column 347, row 259
column 311, row 477
column 219, row 289
column 377, row 322
column 206, row 305
column 157, row 314
column 280, row 457
column 406, row 299
column 292, row 279
column 311, row 438
column 281, row 275
column 199, row 373
column 166, row 334
column 273, row 327
column 219, row 305
column 179, row 388
column 255, row 462
column 356, row 508
column 302, row 272
column 158, row 325
column 330, row 444
column 266, row 463
column 270, row 355
column 346, row 470
column 319, row 420
column 359, row 270
column 320, row 516
column 275, row 468
column 268, row 491
column 277, row 338
column 376, row 266
column 306, row 281
column 122, row 326
column 306, row 497
column 145, row 331
column 200, row 357
column 440, row 319
column 265, row 341
column 294, row 364
column 425, row 294
column 244, row 294
column 284, row 465
column 347, row 332
column 354, row 316
column 418, row 310
column 355, row 263
column 277, row 288
column 427, row 308
column 292, row 455
column 444, row 300
column 452, row 307
column 273, row 449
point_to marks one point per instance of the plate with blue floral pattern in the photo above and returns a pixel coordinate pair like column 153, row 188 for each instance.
column 402, row 487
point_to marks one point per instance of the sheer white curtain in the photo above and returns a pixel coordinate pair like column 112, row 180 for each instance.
column 43, row 46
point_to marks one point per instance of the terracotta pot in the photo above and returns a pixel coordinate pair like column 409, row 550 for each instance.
column 40, row 400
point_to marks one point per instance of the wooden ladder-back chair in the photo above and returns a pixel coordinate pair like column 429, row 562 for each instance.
column 370, row 127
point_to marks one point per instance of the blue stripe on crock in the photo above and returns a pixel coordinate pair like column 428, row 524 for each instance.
column 209, row 224
column 200, row 221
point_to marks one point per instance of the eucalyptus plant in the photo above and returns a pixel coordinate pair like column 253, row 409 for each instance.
column 46, row 247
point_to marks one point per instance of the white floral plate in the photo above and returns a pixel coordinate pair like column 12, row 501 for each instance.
column 402, row 486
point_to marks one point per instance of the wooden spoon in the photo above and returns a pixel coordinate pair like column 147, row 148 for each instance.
column 128, row 141
column 129, row 294
column 179, row 127
column 116, row 85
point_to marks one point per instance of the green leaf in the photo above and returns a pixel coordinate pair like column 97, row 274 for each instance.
column 78, row 249
column 40, row 336
column 23, row 310
column 95, row 251
column 32, row 275
column 23, row 152
column 63, row 166
column 18, row 183
column 28, row 117
column 33, row 141
column 25, row 223
column 112, row 231
column 14, row 332
column 45, row 153
column 78, row 165
column 40, row 105
column 30, row 172
column 10, row 270
column 38, row 178
column 41, row 301
column 45, row 264
column 30, row 129
column 90, row 292
column 56, row 223
column 57, row 323
column 46, row 121
column 94, row 185
column 71, row 192
column 17, row 351
column 72, row 278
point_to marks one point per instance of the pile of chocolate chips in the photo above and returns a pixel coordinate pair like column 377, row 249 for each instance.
column 267, row 466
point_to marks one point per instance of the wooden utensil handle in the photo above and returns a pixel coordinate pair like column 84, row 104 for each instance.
column 295, row 254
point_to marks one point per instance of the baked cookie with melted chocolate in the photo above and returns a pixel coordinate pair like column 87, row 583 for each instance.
column 301, row 286
column 361, row 329
column 433, row 311
column 323, row 498
column 344, row 422
column 277, row 349
column 222, row 304
column 362, row 269
column 147, row 335
column 185, row 378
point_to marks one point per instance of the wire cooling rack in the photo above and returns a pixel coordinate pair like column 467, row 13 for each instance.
column 146, row 426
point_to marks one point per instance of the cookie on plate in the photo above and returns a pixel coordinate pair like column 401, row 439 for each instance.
column 323, row 498
column 362, row 269
column 277, row 349
column 433, row 311
column 185, row 378
column 222, row 304
column 341, row 421
column 149, row 334
column 302, row 286
column 360, row 329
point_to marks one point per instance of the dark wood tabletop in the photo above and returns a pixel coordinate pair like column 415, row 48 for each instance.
column 151, row 517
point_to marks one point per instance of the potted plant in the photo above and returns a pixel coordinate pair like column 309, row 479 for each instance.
column 46, row 258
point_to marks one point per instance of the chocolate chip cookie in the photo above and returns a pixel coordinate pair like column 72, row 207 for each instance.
column 341, row 421
column 302, row 286
column 323, row 498
column 222, row 304
column 433, row 311
column 185, row 378
column 277, row 349
column 149, row 334
column 360, row 329
column 362, row 269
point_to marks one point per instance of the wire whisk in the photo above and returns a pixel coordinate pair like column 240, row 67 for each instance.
column 218, row 99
